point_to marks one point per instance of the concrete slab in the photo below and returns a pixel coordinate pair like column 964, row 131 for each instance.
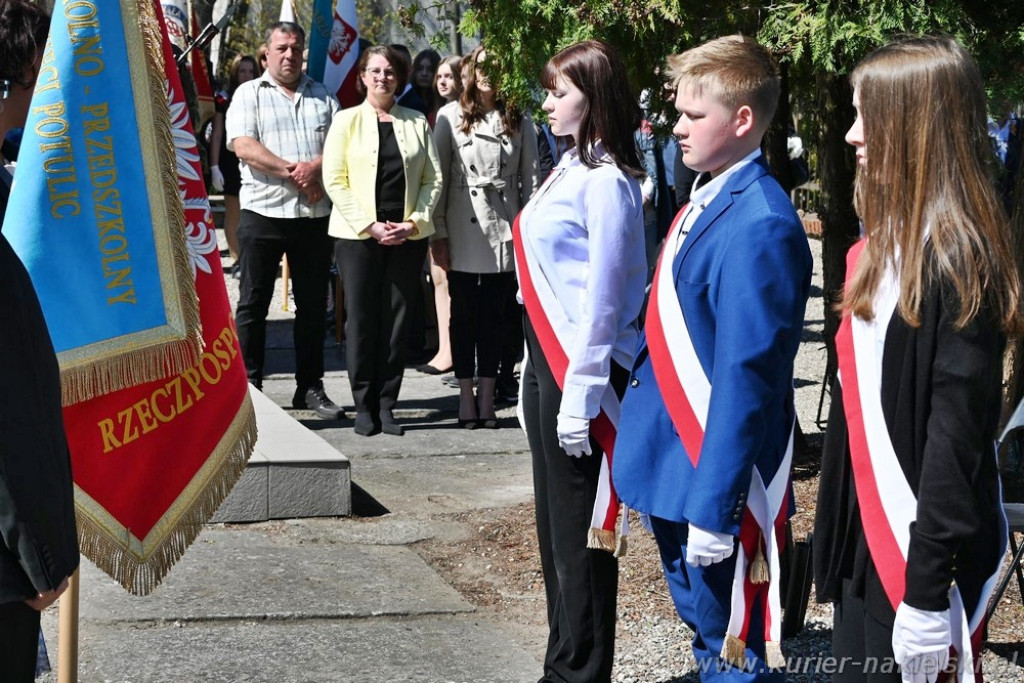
column 249, row 500
column 309, row 489
column 292, row 473
column 427, row 650
column 263, row 574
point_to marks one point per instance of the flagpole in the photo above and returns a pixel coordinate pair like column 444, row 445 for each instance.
column 67, row 633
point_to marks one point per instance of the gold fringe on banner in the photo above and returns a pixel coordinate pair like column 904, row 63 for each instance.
column 139, row 573
column 175, row 350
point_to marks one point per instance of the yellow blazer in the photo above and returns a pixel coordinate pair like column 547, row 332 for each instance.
column 350, row 170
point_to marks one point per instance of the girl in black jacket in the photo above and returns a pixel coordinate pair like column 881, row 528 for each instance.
column 909, row 524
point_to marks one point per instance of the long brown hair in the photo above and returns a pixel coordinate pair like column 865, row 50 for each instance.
column 612, row 113
column 454, row 64
column 928, row 179
column 471, row 101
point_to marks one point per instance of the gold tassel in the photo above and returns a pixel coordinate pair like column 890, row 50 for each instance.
column 759, row 567
column 601, row 539
column 140, row 574
column 621, row 546
column 734, row 651
column 773, row 655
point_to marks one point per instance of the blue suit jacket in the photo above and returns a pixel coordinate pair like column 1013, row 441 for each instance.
column 742, row 277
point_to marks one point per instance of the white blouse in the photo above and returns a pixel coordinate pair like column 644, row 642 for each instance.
column 585, row 229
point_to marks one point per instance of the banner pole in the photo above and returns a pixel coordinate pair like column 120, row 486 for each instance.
column 67, row 633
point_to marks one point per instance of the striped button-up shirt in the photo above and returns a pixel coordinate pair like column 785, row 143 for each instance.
column 293, row 128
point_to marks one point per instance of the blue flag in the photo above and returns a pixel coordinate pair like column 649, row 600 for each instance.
column 99, row 227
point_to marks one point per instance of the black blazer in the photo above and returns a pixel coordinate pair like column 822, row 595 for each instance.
column 941, row 397
column 38, row 541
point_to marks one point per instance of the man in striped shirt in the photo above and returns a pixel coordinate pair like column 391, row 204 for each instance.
column 276, row 125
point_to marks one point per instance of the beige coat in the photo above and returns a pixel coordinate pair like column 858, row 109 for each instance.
column 350, row 170
column 488, row 178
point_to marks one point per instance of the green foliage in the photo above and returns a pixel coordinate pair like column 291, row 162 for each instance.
column 833, row 35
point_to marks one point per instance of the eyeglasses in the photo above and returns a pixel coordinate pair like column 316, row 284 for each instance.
column 377, row 73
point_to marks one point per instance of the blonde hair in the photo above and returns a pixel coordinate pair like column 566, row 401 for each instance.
column 927, row 180
column 735, row 70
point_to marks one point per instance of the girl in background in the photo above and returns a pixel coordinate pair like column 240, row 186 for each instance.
column 424, row 68
column 448, row 83
column 224, row 174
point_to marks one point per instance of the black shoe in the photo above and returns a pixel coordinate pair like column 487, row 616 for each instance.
column 365, row 426
column 468, row 424
column 388, row 424
column 506, row 391
column 428, row 369
column 315, row 399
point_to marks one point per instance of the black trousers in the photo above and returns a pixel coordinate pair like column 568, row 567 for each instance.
column 19, row 641
column 478, row 321
column 861, row 642
column 379, row 283
column 512, row 340
column 581, row 583
column 261, row 242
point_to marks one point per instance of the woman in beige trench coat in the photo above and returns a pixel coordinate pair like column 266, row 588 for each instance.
column 488, row 156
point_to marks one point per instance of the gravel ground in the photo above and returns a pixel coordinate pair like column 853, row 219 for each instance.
column 499, row 570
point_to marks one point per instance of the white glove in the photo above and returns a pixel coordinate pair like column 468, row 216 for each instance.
column 574, row 435
column 707, row 547
column 920, row 643
column 794, row 146
column 217, row 178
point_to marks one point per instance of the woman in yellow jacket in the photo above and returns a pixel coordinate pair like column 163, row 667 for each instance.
column 381, row 172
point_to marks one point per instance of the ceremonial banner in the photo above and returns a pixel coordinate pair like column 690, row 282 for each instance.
column 176, row 19
column 94, row 215
column 152, row 462
column 334, row 48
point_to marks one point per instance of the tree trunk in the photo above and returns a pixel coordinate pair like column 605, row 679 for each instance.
column 778, row 134
column 837, row 170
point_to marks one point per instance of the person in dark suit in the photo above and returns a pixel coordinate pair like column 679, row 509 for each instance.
column 705, row 434
column 909, row 527
column 38, row 539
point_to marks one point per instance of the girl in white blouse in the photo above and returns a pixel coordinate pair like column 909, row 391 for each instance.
column 582, row 267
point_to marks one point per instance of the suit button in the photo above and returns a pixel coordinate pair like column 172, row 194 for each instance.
column 635, row 383
column 472, row 167
column 473, row 192
column 472, row 220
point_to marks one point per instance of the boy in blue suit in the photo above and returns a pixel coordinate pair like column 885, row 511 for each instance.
column 708, row 416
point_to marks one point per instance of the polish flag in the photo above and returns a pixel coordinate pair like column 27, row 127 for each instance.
column 334, row 48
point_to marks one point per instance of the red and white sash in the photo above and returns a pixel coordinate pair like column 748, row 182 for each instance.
column 686, row 391
column 552, row 327
column 887, row 504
